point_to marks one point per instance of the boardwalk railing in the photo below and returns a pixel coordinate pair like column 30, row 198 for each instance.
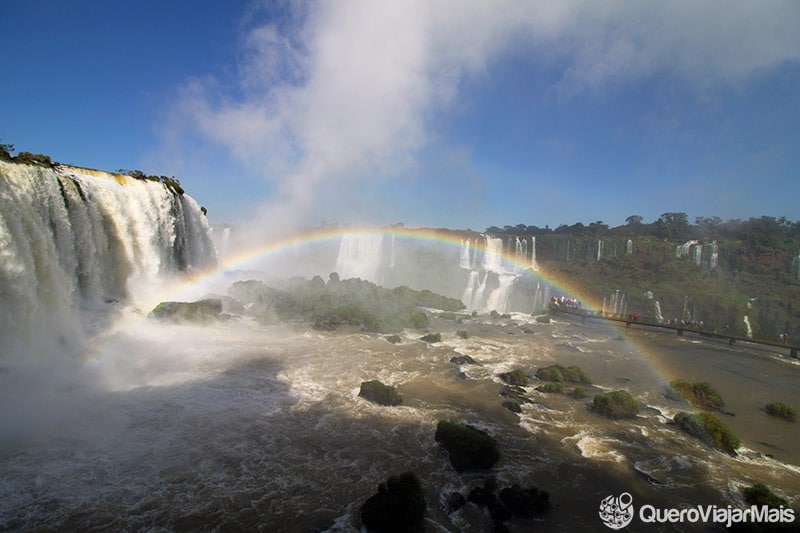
column 680, row 329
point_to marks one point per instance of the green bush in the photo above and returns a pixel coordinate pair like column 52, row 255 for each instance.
column 543, row 319
column 616, row 404
column 759, row 494
column 699, row 394
column 516, row 377
column 579, row 392
column 782, row 410
column 432, row 337
column 709, row 429
column 551, row 387
column 572, row 374
column 418, row 320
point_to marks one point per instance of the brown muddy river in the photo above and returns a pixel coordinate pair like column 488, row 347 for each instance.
column 236, row 426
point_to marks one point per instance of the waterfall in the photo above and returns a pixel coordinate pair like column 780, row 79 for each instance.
column 492, row 260
column 360, row 256
column 714, row 259
column 629, row 247
column 796, row 266
column 498, row 299
column 683, row 250
column 391, row 255
column 469, row 293
column 747, row 325
column 599, row 249
column 698, row 254
column 659, row 317
column 465, row 261
column 72, row 238
column 521, row 249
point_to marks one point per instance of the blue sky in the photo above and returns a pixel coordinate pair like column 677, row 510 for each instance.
column 452, row 114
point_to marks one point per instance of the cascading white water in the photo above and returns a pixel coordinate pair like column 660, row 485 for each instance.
column 534, row 266
column 492, row 259
column 599, row 250
column 465, row 261
column 360, row 256
column 468, row 297
column 71, row 237
column 698, row 254
column 521, row 248
column 747, row 325
column 498, row 298
column 714, row 259
column 629, row 247
column 659, row 316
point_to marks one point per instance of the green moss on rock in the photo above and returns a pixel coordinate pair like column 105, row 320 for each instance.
column 377, row 392
column 199, row 311
column 516, row 377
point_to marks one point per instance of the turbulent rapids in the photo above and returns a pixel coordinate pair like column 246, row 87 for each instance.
column 127, row 423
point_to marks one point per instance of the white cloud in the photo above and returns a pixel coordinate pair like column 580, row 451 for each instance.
column 345, row 94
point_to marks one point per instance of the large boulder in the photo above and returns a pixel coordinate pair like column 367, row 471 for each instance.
column 199, row 311
column 399, row 506
column 469, row 448
column 377, row 392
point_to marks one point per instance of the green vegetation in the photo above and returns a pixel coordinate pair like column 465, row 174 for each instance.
column 699, row 394
column 352, row 302
column 468, row 448
column 551, row 388
column 616, row 404
column 759, row 494
column 579, row 392
column 24, row 158
column 377, row 392
column 543, row 319
column 431, row 337
column 739, row 260
column 782, row 410
column 399, row 506
column 709, row 429
column 199, row 311
column 171, row 183
column 516, row 377
column 558, row 373
column 419, row 320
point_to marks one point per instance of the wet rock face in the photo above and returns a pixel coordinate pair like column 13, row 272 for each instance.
column 199, row 311
column 377, row 392
column 468, row 447
column 399, row 506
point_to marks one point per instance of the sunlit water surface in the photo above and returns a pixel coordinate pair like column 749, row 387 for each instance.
column 238, row 426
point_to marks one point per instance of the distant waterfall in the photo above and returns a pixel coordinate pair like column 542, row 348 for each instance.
column 599, row 250
column 714, row 259
column 534, row 266
column 521, row 249
column 747, row 325
column 796, row 266
column 492, row 260
column 465, row 260
column 70, row 237
column 629, row 247
column 659, row 317
column 360, row 256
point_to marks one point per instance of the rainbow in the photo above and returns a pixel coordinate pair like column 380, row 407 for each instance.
column 449, row 238
column 297, row 242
